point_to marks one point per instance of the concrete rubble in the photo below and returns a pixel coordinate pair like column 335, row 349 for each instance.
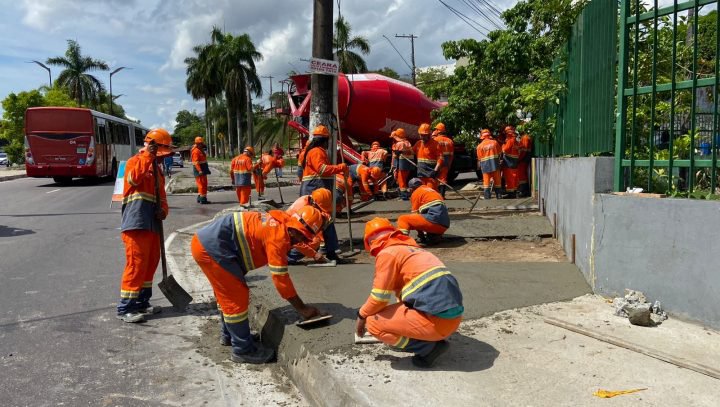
column 635, row 306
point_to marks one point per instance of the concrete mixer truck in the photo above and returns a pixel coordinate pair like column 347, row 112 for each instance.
column 370, row 107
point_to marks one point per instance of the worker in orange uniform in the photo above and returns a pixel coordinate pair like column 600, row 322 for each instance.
column 525, row 157
column 429, row 307
column 376, row 156
column 488, row 161
column 318, row 172
column 447, row 148
column 511, row 157
column 429, row 157
column 240, row 169
column 361, row 175
column 234, row 244
column 402, row 161
column 200, row 169
column 262, row 168
column 320, row 199
column 142, row 213
column 429, row 215
column 343, row 189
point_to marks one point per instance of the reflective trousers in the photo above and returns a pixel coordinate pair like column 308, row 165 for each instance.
column 410, row 330
column 142, row 255
column 202, row 185
column 488, row 176
column 259, row 183
column 511, row 179
column 402, row 178
column 416, row 221
column 233, row 298
column 243, row 194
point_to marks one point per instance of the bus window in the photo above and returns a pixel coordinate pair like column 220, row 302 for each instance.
column 139, row 137
column 124, row 134
column 101, row 135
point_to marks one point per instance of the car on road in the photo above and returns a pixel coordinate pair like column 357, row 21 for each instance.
column 178, row 160
column 4, row 160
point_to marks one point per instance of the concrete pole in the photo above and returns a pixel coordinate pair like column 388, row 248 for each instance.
column 322, row 85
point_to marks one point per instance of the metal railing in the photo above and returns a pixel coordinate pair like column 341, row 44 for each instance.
column 666, row 135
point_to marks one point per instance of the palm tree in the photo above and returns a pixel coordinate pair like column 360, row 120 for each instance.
column 271, row 130
column 82, row 86
column 203, row 81
column 343, row 42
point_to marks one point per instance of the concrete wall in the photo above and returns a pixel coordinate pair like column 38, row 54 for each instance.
column 667, row 248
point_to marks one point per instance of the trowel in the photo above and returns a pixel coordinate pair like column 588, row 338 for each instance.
column 365, row 339
column 330, row 263
column 313, row 322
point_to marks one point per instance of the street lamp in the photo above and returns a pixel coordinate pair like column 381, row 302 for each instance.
column 45, row 67
column 111, row 98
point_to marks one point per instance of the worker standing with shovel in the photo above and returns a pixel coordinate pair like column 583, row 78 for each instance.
column 142, row 217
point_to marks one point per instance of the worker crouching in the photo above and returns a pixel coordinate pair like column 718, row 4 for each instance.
column 232, row 245
column 429, row 307
column 430, row 216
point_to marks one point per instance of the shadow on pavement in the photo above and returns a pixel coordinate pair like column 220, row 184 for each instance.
column 466, row 354
column 12, row 231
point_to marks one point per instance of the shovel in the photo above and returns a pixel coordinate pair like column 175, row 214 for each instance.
column 282, row 201
column 177, row 296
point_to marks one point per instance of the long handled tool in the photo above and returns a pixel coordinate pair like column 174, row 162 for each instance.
column 347, row 198
column 447, row 185
column 279, row 189
column 177, row 296
column 492, row 183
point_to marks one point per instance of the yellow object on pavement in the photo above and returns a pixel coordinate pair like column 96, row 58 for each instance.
column 606, row 394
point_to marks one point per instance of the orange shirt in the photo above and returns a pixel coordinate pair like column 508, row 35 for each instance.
column 139, row 201
column 511, row 152
column 447, row 148
column 241, row 169
column 317, row 165
column 199, row 160
column 428, row 156
column 424, row 197
column 525, row 147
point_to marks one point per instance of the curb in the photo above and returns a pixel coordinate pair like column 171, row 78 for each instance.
column 303, row 368
column 12, row 177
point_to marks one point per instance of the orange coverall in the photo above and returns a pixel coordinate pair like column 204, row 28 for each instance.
column 318, row 172
column 343, row 191
column 447, row 148
column 488, row 155
column 511, row 158
column 429, row 307
column 263, row 167
column 200, row 170
column 140, row 231
column 231, row 246
column 402, row 164
column 240, row 170
column 525, row 150
column 360, row 174
column 428, row 156
column 429, row 213
column 308, row 249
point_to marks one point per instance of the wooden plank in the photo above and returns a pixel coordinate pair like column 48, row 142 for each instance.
column 677, row 361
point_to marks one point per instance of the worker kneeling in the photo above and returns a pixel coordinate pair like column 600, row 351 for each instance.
column 231, row 246
column 429, row 307
column 430, row 215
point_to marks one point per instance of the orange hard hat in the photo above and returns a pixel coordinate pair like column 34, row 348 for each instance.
column 199, row 140
column 509, row 129
column 376, row 228
column 250, row 150
column 321, row 131
column 435, row 133
column 162, row 138
column 398, row 133
column 440, row 127
column 375, row 173
column 485, row 133
column 308, row 221
column 424, row 129
column 323, row 199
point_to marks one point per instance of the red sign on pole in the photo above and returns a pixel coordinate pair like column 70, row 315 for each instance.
column 324, row 66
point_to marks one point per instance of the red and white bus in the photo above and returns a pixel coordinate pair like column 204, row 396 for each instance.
column 66, row 143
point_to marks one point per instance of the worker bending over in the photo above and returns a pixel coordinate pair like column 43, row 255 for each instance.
column 376, row 156
column 511, row 157
column 429, row 307
column 447, row 148
column 488, row 161
column 234, row 244
column 343, row 189
column 361, row 175
column 320, row 199
column 200, row 169
column 429, row 215
column 401, row 161
column 429, row 157
column 142, row 213
column 240, row 169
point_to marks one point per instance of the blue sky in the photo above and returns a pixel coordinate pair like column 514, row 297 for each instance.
column 153, row 37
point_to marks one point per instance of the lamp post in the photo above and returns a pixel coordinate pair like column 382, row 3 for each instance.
column 45, row 67
column 111, row 98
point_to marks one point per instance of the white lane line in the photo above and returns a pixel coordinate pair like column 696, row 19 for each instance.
column 54, row 190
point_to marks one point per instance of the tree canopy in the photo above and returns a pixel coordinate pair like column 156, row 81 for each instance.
column 344, row 44
column 188, row 125
column 82, row 86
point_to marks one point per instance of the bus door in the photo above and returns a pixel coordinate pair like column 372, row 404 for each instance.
column 102, row 147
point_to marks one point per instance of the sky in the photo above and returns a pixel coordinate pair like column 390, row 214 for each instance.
column 153, row 37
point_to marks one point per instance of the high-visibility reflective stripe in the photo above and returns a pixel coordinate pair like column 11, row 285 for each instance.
column 402, row 342
column 381, row 295
column 490, row 157
column 404, row 231
column 314, row 177
column 512, row 156
column 322, row 169
column 129, row 294
column 278, row 270
column 423, row 279
column 426, row 161
column 431, row 203
column 147, row 284
column 235, row 318
column 139, row 196
column 130, row 179
column 242, row 242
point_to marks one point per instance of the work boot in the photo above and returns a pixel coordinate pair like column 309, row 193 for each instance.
column 225, row 340
column 260, row 355
column 422, row 237
column 433, row 239
column 487, row 193
column 198, row 199
column 204, row 200
column 150, row 310
column 131, row 317
column 428, row 360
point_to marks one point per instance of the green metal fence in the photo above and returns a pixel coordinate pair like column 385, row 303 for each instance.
column 667, row 124
column 585, row 113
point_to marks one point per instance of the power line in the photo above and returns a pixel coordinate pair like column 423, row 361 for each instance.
column 491, row 7
column 479, row 11
column 398, row 52
column 412, row 55
column 469, row 21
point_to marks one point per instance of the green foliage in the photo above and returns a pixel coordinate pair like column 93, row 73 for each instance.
column 344, row 43
column 389, row 72
column 82, row 86
column 188, row 126
column 432, row 81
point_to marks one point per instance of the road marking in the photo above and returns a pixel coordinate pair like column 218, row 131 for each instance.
column 54, row 190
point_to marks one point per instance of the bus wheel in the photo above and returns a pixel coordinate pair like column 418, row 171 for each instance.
column 62, row 180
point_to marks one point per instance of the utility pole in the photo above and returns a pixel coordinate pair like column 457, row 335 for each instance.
column 321, row 103
column 270, row 78
column 412, row 52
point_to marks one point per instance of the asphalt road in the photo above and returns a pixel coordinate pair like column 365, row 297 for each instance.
column 61, row 259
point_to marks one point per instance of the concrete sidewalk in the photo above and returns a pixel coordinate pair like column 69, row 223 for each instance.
column 11, row 173
column 506, row 358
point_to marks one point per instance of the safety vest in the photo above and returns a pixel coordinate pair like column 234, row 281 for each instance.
column 428, row 153
column 430, row 204
column 488, row 154
column 511, row 155
column 199, row 161
column 376, row 158
column 241, row 170
column 139, row 200
column 447, row 148
column 403, row 161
